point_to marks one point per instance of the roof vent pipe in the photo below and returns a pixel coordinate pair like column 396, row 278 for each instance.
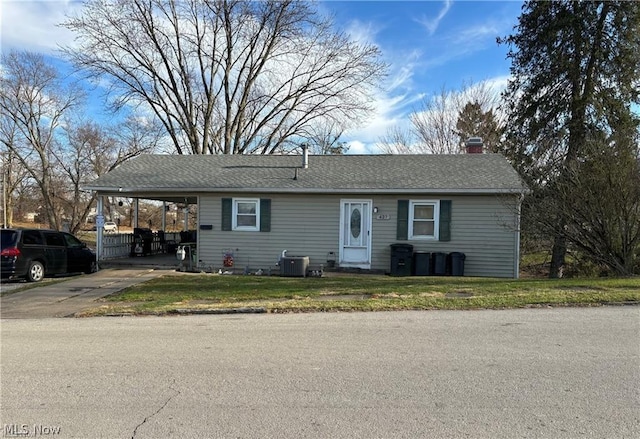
column 305, row 156
column 474, row 145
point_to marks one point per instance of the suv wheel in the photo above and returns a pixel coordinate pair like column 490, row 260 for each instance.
column 35, row 272
column 92, row 268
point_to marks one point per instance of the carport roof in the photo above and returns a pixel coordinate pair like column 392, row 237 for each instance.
column 167, row 174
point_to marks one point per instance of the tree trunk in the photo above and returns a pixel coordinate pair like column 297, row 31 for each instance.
column 9, row 205
column 558, row 254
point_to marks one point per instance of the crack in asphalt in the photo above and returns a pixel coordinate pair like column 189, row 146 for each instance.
column 176, row 393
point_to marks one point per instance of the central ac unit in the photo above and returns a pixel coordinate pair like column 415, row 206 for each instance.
column 294, row 266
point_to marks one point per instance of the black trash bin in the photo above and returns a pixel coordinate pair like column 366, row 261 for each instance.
column 456, row 263
column 141, row 244
column 422, row 263
column 439, row 262
column 401, row 259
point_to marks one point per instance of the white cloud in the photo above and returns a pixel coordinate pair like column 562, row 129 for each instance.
column 391, row 107
column 498, row 83
column 357, row 147
column 431, row 24
column 405, row 66
column 406, row 85
column 388, row 114
column 361, row 32
column 485, row 32
column 391, row 102
column 34, row 25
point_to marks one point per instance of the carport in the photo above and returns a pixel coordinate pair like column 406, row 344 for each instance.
column 121, row 245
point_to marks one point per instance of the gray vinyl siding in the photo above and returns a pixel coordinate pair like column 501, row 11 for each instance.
column 482, row 227
column 302, row 225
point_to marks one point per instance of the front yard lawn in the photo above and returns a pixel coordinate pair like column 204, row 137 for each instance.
column 184, row 293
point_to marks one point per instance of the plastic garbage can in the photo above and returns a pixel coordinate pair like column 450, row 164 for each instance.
column 439, row 261
column 422, row 263
column 457, row 263
column 401, row 259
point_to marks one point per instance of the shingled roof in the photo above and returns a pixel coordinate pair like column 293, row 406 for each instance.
column 464, row 173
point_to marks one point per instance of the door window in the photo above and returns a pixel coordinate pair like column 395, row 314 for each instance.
column 356, row 226
column 54, row 239
column 355, row 218
column 72, row 241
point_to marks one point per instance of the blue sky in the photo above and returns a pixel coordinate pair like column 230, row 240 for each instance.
column 427, row 44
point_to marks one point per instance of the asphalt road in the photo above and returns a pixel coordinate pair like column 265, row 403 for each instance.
column 539, row 373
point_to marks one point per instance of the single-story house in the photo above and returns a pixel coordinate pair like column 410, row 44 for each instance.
column 345, row 209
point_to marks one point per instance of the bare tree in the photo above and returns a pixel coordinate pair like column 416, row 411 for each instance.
column 35, row 99
column 89, row 151
column 398, row 141
column 602, row 205
column 13, row 173
column 227, row 77
column 45, row 145
column 434, row 124
column 324, row 139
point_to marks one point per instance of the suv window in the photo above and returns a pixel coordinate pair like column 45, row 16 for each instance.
column 54, row 239
column 8, row 238
column 32, row 237
column 72, row 241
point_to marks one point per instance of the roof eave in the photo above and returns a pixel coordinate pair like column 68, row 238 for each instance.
column 454, row 191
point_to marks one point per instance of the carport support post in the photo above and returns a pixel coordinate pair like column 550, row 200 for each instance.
column 99, row 231
column 164, row 216
column 136, row 206
column 186, row 217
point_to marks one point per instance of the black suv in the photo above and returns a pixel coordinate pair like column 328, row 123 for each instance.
column 34, row 254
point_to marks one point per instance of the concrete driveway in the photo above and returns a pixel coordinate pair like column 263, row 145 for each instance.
column 66, row 298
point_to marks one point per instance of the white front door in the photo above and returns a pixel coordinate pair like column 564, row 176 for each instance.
column 355, row 233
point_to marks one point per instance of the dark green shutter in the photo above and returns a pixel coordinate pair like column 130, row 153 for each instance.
column 265, row 215
column 227, row 214
column 445, row 220
column 402, row 231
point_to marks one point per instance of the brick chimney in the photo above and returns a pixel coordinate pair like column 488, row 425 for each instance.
column 474, row 145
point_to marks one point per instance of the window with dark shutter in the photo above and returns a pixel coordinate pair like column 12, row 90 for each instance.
column 424, row 220
column 402, row 231
column 227, row 214
column 445, row 220
column 246, row 214
column 265, row 215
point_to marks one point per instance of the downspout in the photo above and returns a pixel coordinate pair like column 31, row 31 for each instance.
column 516, row 267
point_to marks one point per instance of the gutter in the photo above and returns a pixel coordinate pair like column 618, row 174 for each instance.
column 394, row 191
